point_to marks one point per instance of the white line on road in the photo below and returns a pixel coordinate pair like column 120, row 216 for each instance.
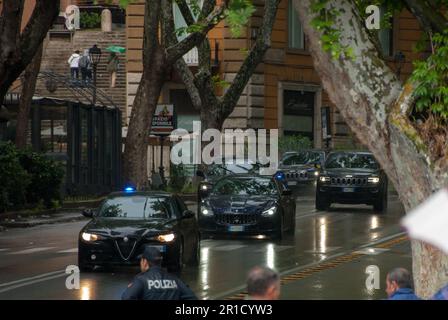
column 31, row 278
column 32, row 250
column 228, row 247
column 4, row 249
column 73, row 250
column 33, row 282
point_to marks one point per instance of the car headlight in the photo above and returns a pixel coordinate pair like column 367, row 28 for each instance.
column 90, row 237
column 316, row 173
column 373, row 180
column 166, row 237
column 269, row 212
column 324, row 179
column 204, row 187
column 206, row 210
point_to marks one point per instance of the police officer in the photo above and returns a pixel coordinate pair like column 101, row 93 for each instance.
column 153, row 283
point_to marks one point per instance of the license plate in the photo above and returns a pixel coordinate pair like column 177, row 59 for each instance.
column 348, row 190
column 236, row 228
column 160, row 248
column 292, row 183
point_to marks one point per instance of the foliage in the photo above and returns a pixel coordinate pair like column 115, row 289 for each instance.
column 178, row 177
column 27, row 178
column 90, row 20
column 46, row 177
column 431, row 75
column 293, row 143
column 238, row 14
column 218, row 82
column 14, row 179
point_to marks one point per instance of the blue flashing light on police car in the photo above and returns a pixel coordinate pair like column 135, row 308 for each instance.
column 280, row 175
column 129, row 189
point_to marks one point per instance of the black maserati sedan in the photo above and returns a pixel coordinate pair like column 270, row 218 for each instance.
column 351, row 177
column 128, row 221
column 247, row 205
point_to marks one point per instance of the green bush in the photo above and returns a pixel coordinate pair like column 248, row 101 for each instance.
column 28, row 178
column 89, row 20
column 178, row 177
column 293, row 143
column 46, row 178
column 14, row 179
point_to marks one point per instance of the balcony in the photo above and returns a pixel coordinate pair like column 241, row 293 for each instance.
column 191, row 57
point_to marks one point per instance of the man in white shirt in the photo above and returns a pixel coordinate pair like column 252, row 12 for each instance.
column 73, row 61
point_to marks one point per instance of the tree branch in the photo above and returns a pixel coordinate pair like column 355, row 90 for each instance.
column 10, row 23
column 186, row 12
column 178, row 50
column 255, row 56
column 430, row 19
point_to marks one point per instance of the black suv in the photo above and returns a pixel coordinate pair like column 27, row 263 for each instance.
column 351, row 177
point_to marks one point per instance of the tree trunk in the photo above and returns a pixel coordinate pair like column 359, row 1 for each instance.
column 373, row 102
column 136, row 148
column 26, row 97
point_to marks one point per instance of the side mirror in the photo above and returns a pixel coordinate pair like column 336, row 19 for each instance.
column 200, row 173
column 88, row 213
column 287, row 192
column 187, row 214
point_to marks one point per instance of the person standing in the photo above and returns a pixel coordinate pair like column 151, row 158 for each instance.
column 399, row 285
column 73, row 61
column 112, row 68
column 153, row 283
column 84, row 65
column 263, row 284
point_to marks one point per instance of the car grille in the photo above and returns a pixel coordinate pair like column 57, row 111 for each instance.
column 125, row 248
column 231, row 218
column 349, row 181
column 296, row 175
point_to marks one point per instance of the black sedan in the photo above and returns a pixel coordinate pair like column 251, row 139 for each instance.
column 353, row 178
column 126, row 222
column 247, row 205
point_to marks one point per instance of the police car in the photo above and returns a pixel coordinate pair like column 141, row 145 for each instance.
column 128, row 221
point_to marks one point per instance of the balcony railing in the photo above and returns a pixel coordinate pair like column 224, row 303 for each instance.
column 191, row 57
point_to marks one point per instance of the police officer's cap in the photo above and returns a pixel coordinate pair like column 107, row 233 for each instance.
column 151, row 254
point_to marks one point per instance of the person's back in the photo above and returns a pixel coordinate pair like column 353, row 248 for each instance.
column 74, row 60
column 404, row 294
column 153, row 283
column 442, row 294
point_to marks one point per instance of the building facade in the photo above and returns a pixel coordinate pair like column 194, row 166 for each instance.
column 285, row 92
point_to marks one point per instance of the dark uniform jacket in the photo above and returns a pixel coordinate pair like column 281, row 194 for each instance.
column 156, row 284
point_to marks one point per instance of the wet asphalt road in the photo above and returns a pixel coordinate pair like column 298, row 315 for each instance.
column 33, row 260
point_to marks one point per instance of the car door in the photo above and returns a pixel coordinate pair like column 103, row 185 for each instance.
column 287, row 202
column 188, row 227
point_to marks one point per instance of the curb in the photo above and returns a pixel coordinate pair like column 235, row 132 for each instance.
column 28, row 224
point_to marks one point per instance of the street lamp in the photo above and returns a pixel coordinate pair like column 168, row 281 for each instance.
column 95, row 57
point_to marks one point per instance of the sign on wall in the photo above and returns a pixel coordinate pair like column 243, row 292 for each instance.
column 163, row 121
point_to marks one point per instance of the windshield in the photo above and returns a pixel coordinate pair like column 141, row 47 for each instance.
column 137, row 207
column 351, row 161
column 304, row 157
column 234, row 168
column 249, row 186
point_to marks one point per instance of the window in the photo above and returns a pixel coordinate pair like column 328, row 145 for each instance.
column 296, row 38
column 185, row 111
column 298, row 113
column 385, row 35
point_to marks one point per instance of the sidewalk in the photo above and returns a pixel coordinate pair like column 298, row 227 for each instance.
column 35, row 220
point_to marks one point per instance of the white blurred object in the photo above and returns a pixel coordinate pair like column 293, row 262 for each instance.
column 429, row 221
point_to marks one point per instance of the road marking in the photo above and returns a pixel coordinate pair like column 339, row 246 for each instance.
column 371, row 251
column 230, row 247
column 73, row 250
column 323, row 250
column 237, row 290
column 33, row 282
column 31, row 278
column 4, row 249
column 32, row 250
